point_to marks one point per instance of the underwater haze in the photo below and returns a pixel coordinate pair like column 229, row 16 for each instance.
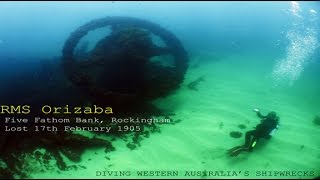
column 26, row 26
column 242, row 55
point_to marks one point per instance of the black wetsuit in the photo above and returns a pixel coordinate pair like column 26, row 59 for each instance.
column 262, row 130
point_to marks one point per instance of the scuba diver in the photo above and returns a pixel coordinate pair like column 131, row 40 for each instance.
column 265, row 130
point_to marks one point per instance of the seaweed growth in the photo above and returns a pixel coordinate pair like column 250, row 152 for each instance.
column 235, row 134
column 242, row 126
column 316, row 120
column 15, row 147
column 117, row 73
column 194, row 84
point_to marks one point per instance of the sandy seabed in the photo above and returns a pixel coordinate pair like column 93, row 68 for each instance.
column 231, row 88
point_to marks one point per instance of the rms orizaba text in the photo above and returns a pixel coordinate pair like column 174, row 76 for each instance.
column 47, row 109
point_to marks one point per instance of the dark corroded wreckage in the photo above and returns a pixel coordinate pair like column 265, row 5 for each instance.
column 119, row 72
column 128, row 49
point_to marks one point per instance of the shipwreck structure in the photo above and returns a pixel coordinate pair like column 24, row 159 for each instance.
column 127, row 76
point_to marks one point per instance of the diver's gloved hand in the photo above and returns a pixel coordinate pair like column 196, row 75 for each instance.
column 256, row 110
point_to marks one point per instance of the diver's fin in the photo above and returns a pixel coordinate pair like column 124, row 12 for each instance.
column 237, row 150
column 234, row 148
